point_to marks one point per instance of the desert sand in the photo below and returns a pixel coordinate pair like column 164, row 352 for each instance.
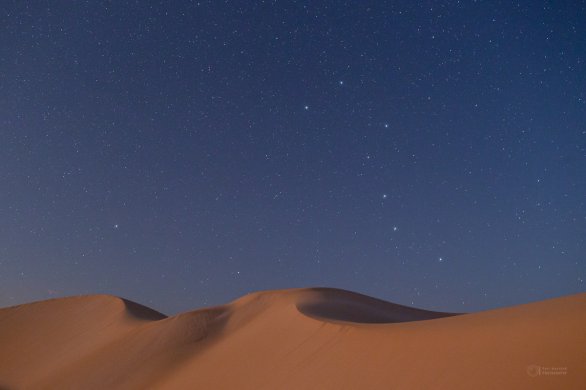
column 312, row 338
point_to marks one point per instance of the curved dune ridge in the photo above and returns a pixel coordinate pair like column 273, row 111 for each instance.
column 315, row 338
column 338, row 305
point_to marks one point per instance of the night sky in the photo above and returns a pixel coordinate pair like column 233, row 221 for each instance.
column 182, row 154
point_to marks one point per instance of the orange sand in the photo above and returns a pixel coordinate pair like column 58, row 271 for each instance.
column 292, row 339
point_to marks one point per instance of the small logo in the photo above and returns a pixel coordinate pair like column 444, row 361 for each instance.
column 533, row 370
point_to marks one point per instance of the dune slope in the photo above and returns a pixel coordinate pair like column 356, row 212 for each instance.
column 292, row 339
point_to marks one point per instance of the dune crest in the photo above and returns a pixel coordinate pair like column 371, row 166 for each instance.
column 316, row 338
column 328, row 304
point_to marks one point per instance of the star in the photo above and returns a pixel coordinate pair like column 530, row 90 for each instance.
column 440, row 259
column 385, row 196
column 116, row 226
column 306, row 108
column 395, row 228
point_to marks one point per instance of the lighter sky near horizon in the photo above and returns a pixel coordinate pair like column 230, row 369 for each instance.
column 182, row 154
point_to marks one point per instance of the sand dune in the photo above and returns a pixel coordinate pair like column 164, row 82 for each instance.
column 292, row 339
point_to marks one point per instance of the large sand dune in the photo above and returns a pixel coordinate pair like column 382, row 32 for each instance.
column 292, row 339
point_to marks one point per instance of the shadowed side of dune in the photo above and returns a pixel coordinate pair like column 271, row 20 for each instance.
column 142, row 312
column 329, row 304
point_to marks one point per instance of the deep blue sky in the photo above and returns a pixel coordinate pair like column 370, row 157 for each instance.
column 182, row 154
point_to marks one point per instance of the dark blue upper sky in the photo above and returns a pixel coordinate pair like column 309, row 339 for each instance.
column 182, row 154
